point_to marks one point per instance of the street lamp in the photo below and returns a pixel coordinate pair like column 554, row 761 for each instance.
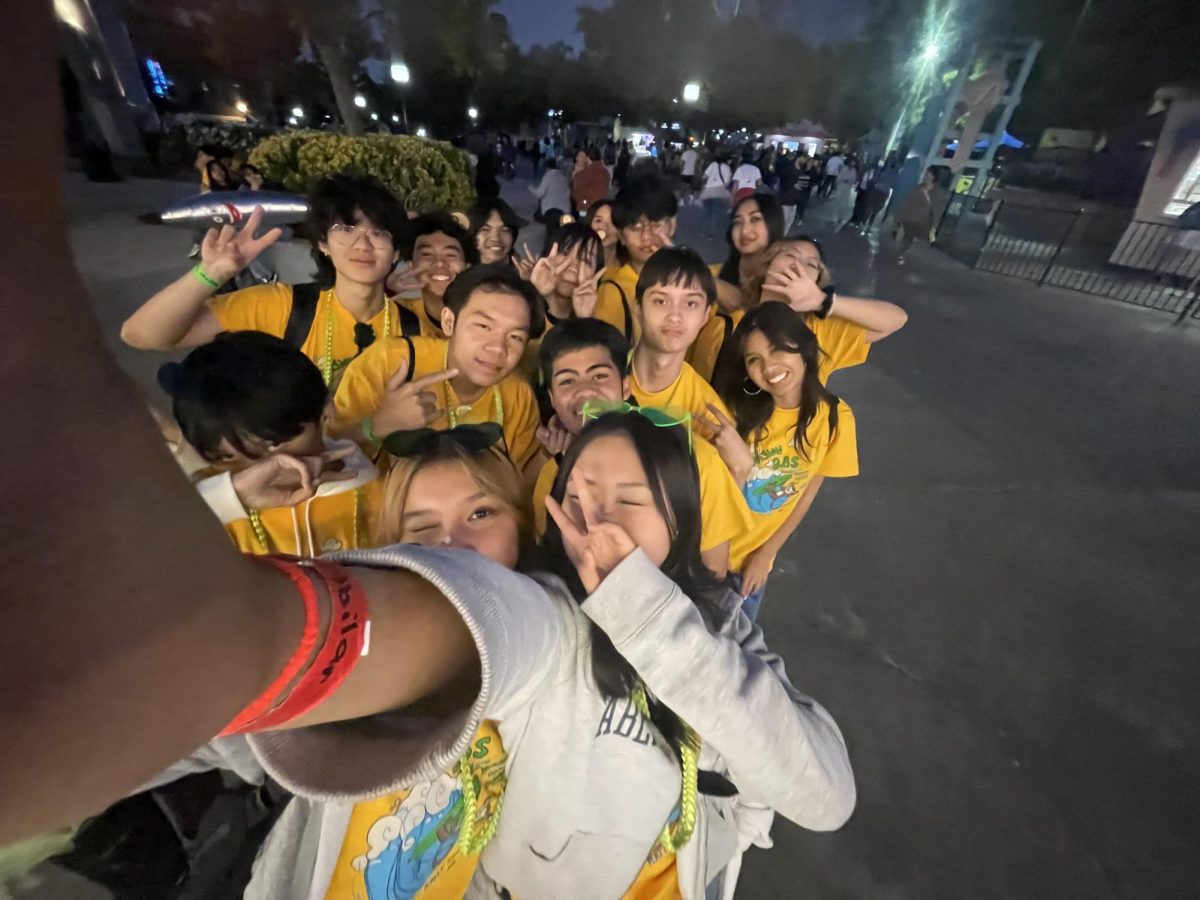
column 242, row 107
column 360, row 101
column 691, row 92
column 421, row 132
column 472, row 113
column 298, row 112
column 400, row 73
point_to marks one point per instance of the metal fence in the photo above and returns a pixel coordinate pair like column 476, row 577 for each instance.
column 1106, row 253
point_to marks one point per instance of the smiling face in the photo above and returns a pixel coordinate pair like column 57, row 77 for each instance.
column 488, row 336
column 776, row 370
column 582, row 375
column 494, row 239
column 361, row 251
column 749, row 231
column 602, row 223
column 582, row 265
column 441, row 256
column 672, row 315
column 445, row 507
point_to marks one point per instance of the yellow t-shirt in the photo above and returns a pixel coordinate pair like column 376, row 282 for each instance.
column 843, row 344
column 687, row 392
column 510, row 402
column 429, row 327
column 780, row 474
column 723, row 511
column 619, row 312
column 705, row 350
column 405, row 844
column 340, row 520
column 266, row 307
column 659, row 878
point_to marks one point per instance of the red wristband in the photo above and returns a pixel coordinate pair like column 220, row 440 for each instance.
column 345, row 642
column 312, row 619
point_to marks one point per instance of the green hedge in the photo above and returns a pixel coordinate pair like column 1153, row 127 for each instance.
column 424, row 174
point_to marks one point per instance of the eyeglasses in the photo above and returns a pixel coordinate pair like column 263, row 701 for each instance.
column 662, row 417
column 429, row 442
column 347, row 235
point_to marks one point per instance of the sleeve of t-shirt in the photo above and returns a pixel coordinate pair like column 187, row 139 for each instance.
column 521, row 422
column 841, row 457
column 843, row 344
column 264, row 307
column 609, row 307
column 702, row 355
column 361, row 389
column 723, row 511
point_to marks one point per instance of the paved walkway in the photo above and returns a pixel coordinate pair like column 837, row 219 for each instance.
column 999, row 611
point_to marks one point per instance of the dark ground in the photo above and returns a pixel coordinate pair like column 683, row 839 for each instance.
column 996, row 610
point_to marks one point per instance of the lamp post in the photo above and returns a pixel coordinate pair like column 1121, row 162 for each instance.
column 691, row 92
column 360, row 101
column 402, row 77
column 473, row 113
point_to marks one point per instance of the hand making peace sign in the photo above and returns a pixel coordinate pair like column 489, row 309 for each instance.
column 594, row 546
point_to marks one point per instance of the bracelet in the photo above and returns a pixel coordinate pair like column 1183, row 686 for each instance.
column 200, row 274
column 345, row 642
column 826, row 304
column 374, row 440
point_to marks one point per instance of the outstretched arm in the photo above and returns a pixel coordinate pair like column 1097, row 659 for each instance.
column 131, row 632
column 879, row 317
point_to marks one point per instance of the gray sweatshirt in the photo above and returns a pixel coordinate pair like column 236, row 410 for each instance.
column 590, row 783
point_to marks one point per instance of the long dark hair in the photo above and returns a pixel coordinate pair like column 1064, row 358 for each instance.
column 675, row 485
column 772, row 213
column 784, row 328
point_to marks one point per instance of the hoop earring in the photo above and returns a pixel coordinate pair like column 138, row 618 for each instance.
column 747, row 391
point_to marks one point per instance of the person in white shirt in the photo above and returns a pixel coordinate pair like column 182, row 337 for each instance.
column 747, row 179
column 715, row 196
column 688, row 162
column 833, row 166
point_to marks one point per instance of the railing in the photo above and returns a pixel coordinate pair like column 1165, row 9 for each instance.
column 1105, row 253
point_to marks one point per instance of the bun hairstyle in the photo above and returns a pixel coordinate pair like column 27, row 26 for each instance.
column 245, row 384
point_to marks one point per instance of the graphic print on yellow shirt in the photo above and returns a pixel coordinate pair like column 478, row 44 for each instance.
column 266, row 307
column 781, row 474
column 403, row 846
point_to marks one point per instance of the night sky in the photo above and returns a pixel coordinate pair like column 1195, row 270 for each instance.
column 546, row 21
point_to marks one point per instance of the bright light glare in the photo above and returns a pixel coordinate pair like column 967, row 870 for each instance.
column 421, row 132
column 298, row 112
column 291, row 120
column 360, row 101
column 242, row 107
column 374, row 117
column 472, row 112
column 931, row 51
column 691, row 91
column 550, row 112
column 395, row 118
column 400, row 73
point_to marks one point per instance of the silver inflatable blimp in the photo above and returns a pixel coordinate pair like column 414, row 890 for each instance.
column 218, row 208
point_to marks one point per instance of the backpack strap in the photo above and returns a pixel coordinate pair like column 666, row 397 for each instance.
column 410, row 322
column 624, row 306
column 302, row 313
column 412, row 358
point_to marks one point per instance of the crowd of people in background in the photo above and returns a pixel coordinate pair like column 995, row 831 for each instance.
column 638, row 429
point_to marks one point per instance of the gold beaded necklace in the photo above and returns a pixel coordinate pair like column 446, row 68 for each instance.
column 327, row 356
column 264, row 543
column 675, row 835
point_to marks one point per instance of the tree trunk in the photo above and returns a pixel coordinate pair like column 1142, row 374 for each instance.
column 339, row 79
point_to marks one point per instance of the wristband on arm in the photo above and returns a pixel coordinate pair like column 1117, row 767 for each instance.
column 307, row 679
column 826, row 304
column 202, row 276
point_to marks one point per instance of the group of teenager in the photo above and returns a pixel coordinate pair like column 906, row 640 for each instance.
column 529, row 503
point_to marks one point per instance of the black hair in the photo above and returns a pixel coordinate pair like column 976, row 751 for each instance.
column 675, row 485
column 481, row 212
column 550, row 163
column 784, row 328
column 576, row 334
column 439, row 222
column 496, row 278
column 681, row 266
column 336, row 198
column 245, row 384
column 772, row 214
column 645, row 195
column 599, row 204
column 572, row 235
column 220, row 166
column 593, row 153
